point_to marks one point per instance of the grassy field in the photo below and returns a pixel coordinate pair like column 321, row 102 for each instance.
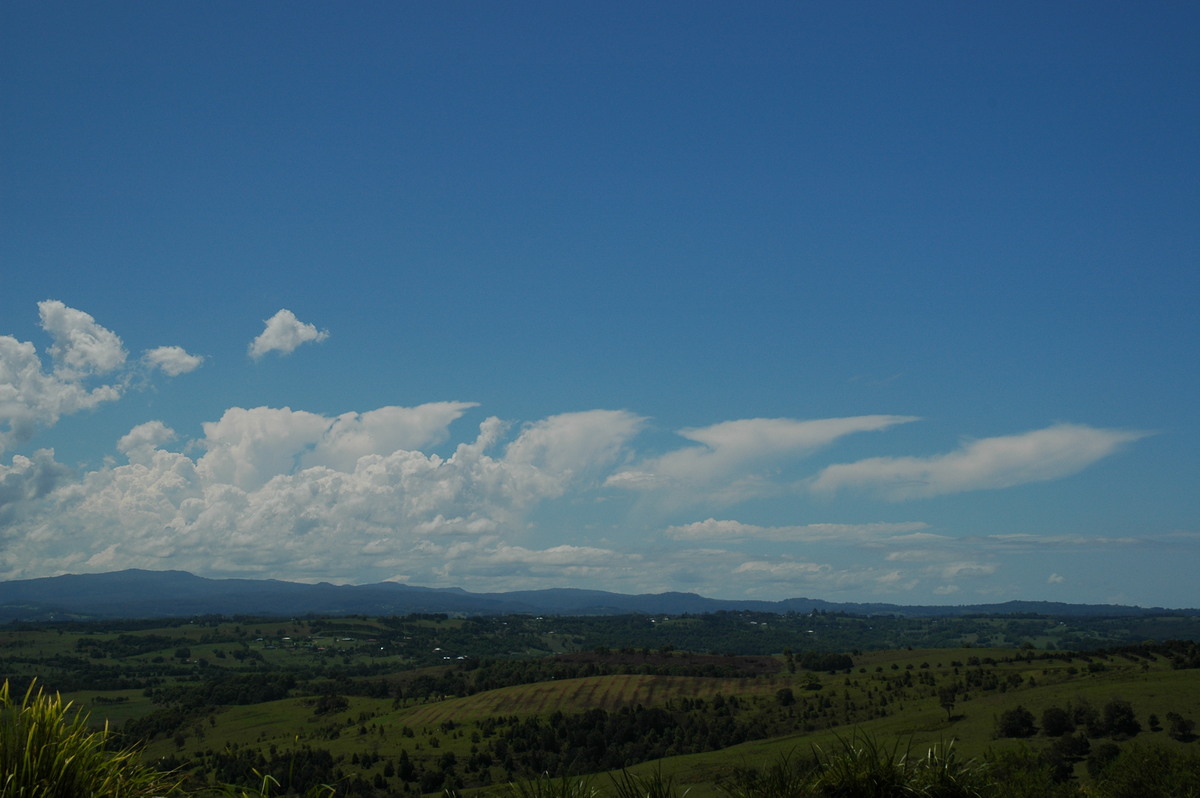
column 376, row 726
column 339, row 665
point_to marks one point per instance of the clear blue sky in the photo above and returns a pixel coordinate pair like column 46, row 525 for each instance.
column 858, row 301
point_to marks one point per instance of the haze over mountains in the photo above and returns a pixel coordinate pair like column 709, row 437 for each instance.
column 152, row 594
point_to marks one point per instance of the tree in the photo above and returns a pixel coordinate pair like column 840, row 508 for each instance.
column 1179, row 727
column 1015, row 722
column 1056, row 722
column 1100, row 757
column 1119, row 720
column 947, row 698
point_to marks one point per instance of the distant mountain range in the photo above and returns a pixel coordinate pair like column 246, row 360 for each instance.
column 163, row 594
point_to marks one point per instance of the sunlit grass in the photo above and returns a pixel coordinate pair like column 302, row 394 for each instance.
column 47, row 750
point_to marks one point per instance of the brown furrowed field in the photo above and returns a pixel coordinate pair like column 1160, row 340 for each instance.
column 609, row 693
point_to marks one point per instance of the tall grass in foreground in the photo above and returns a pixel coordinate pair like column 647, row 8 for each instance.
column 652, row 785
column 266, row 789
column 861, row 767
column 47, row 750
column 547, row 787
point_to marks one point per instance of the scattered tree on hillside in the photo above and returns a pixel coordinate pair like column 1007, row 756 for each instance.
column 1015, row 722
column 1119, row 720
column 947, row 697
column 1056, row 722
column 1179, row 727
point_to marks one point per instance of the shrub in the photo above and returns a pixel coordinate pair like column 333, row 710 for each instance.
column 1015, row 722
column 1119, row 719
column 1180, row 727
column 1056, row 722
column 1157, row 772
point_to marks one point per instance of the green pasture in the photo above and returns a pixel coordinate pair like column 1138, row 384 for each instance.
column 891, row 695
column 427, row 731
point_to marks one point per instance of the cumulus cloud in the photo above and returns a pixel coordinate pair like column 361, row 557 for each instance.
column 293, row 493
column 1055, row 579
column 713, row 529
column 379, row 494
column 282, row 333
column 25, row 481
column 32, row 397
column 81, row 346
column 172, row 360
column 248, row 447
column 575, row 444
column 141, row 441
column 88, row 367
column 723, row 467
column 990, row 463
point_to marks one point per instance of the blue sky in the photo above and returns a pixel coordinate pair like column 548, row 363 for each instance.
column 864, row 301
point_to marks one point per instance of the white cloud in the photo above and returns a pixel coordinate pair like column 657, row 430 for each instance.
column 141, row 441
column 370, row 496
column 81, row 346
column 712, row 529
column 956, row 570
column 31, row 398
column 1027, row 542
column 799, row 577
column 283, row 333
column 560, row 560
column 248, row 447
column 26, row 481
column 87, row 368
column 298, row 495
column 383, row 431
column 990, row 463
column 1055, row 579
column 726, row 467
column 172, row 360
column 575, row 445
column 780, row 570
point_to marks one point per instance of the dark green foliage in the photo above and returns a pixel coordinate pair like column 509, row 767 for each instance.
column 1015, row 722
column 1138, row 772
column 1018, row 773
column 1086, row 716
column 597, row 740
column 1100, row 757
column 947, row 697
column 292, row 772
column 1056, row 722
column 1119, row 720
column 243, row 689
column 329, row 704
column 1179, row 727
